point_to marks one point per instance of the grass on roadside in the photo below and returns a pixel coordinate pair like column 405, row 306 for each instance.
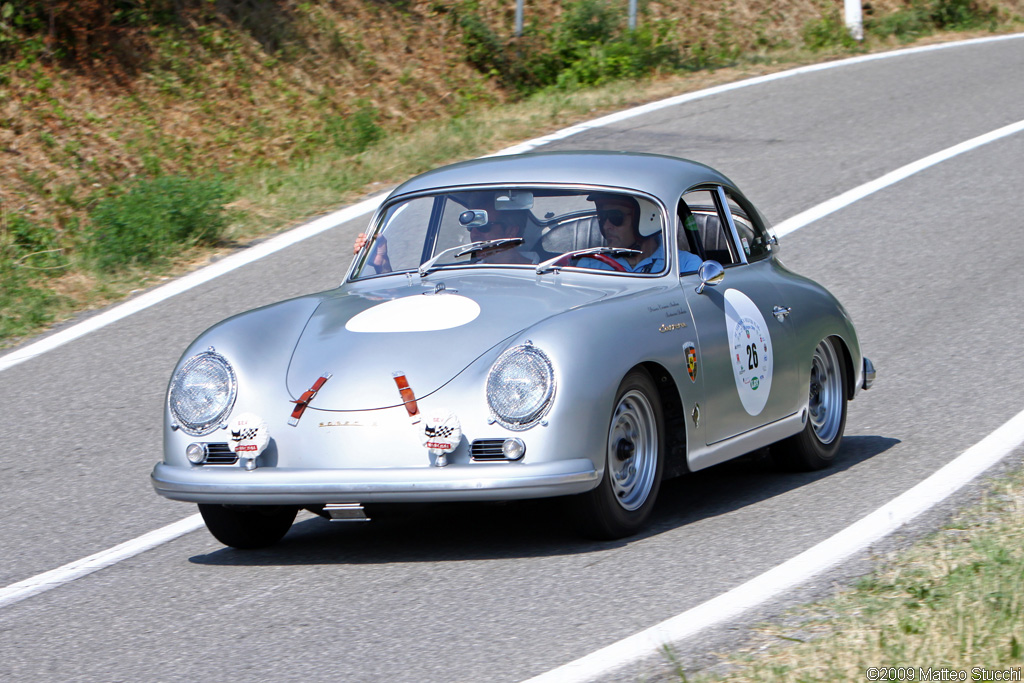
column 953, row 601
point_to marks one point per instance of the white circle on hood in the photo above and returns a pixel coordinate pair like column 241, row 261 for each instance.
column 417, row 313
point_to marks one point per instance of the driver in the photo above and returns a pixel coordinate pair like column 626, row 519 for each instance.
column 619, row 220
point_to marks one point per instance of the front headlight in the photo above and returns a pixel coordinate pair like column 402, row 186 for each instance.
column 520, row 387
column 202, row 393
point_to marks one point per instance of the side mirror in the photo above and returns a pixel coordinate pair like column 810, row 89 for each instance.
column 710, row 273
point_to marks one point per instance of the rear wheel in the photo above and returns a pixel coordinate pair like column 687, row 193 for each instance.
column 248, row 527
column 622, row 502
column 816, row 446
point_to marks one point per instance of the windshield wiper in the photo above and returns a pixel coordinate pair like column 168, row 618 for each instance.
column 471, row 248
column 552, row 264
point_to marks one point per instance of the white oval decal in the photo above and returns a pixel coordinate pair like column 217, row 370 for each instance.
column 750, row 344
column 419, row 313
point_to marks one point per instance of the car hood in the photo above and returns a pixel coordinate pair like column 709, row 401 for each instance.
column 430, row 334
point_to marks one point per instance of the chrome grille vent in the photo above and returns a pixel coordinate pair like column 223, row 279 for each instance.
column 219, row 454
column 487, row 449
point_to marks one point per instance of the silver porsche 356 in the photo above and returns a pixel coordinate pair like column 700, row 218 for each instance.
column 566, row 324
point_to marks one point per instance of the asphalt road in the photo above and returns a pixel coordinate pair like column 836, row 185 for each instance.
column 929, row 270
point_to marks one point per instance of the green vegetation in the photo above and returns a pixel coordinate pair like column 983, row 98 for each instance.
column 138, row 135
column 953, row 601
column 154, row 220
column 923, row 17
column 590, row 45
column 29, row 257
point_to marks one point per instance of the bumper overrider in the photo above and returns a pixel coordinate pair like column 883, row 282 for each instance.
column 285, row 486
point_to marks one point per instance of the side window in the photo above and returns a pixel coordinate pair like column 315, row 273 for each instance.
column 753, row 238
column 707, row 233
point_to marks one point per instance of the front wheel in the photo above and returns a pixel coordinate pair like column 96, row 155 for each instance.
column 816, row 446
column 622, row 502
column 248, row 527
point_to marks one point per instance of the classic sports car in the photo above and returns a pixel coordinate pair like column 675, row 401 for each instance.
column 578, row 324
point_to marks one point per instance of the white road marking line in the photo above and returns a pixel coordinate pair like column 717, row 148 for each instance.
column 54, row 578
column 802, row 567
column 850, row 196
column 74, row 570
column 329, row 221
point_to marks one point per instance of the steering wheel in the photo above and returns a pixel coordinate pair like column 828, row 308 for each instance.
column 603, row 258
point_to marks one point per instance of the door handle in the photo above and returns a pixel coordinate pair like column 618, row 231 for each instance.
column 781, row 312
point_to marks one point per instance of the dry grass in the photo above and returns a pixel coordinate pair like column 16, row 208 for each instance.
column 954, row 601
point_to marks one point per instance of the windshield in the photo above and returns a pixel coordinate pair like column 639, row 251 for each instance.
column 518, row 228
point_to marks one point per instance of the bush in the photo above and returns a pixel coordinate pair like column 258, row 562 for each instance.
column 484, row 50
column 30, row 246
column 960, row 14
column 155, row 219
column 24, row 304
column 906, row 25
column 590, row 45
column 923, row 17
column 29, row 254
column 633, row 56
column 590, row 21
column 829, row 31
column 357, row 132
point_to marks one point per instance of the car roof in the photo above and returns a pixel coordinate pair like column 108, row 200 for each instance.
column 664, row 177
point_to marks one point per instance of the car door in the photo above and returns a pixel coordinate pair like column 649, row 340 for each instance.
column 744, row 341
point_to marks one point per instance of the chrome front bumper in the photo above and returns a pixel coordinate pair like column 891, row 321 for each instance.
column 283, row 486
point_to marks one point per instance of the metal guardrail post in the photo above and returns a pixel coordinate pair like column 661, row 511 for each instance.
column 519, row 18
column 632, row 15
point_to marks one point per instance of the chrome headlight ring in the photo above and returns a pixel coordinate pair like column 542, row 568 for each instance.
column 202, row 393
column 520, row 387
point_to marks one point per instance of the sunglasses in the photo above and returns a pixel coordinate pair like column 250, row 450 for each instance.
column 615, row 216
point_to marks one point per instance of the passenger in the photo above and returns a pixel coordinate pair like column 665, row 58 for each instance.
column 619, row 220
column 379, row 260
column 503, row 224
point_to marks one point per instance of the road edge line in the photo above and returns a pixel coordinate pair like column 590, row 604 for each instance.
column 55, row 578
column 843, row 200
column 818, row 558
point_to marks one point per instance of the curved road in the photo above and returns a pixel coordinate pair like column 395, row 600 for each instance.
column 929, row 269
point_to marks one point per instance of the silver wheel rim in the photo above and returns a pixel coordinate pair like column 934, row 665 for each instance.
column 632, row 450
column 825, row 404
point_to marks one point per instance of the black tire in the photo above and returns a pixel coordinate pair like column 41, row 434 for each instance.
column 620, row 505
column 816, row 446
column 248, row 527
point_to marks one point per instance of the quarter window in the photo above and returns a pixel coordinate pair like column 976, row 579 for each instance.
column 706, row 234
column 754, row 238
